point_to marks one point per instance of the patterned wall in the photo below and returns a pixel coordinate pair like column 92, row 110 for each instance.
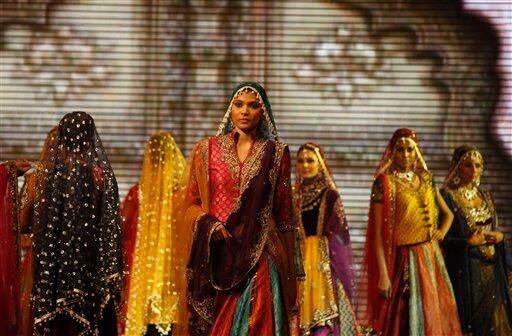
column 343, row 74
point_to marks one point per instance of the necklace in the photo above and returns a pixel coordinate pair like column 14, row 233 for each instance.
column 468, row 194
column 311, row 192
column 407, row 176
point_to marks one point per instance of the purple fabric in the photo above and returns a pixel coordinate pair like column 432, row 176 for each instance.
column 340, row 252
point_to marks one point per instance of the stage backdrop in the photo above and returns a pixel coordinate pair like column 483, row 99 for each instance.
column 344, row 74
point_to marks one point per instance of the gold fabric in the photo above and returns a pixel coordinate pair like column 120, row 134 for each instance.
column 157, row 282
column 416, row 211
column 317, row 302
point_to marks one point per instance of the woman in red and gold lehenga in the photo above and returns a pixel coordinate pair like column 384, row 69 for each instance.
column 405, row 288
column 241, row 272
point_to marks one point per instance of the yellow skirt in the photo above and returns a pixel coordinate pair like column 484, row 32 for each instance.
column 317, row 301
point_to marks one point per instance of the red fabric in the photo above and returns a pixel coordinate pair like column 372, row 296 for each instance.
column 261, row 318
column 9, row 281
column 439, row 307
column 222, row 326
column 26, row 289
column 130, row 220
column 223, row 182
column 402, row 133
column 396, row 312
column 368, row 294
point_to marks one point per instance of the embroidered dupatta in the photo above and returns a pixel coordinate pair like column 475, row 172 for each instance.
column 10, row 321
column 263, row 209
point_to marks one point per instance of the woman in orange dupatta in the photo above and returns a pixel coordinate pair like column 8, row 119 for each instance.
column 241, row 272
column 405, row 288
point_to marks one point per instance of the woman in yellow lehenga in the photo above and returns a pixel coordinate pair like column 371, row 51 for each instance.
column 154, row 243
column 325, row 307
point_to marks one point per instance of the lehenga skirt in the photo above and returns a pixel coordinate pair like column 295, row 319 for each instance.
column 422, row 300
column 323, row 300
column 257, row 308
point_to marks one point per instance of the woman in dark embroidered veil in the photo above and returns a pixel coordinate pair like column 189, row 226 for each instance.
column 241, row 273
column 325, row 307
column 77, row 239
column 475, row 251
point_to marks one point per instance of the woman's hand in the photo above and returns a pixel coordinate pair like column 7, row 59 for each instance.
column 384, row 286
column 477, row 239
column 493, row 237
column 22, row 166
column 220, row 232
column 438, row 235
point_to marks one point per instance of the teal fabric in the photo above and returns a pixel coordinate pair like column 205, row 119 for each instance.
column 267, row 125
column 416, row 322
column 279, row 323
column 240, row 326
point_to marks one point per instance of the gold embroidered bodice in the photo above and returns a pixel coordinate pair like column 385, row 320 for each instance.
column 479, row 218
column 416, row 212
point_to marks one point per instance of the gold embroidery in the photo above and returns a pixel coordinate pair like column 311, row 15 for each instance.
column 12, row 185
column 203, row 308
column 484, row 217
column 252, row 166
column 229, row 154
column 392, row 192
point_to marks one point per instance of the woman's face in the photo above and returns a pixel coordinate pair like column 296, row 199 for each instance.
column 405, row 155
column 246, row 111
column 470, row 169
column 307, row 164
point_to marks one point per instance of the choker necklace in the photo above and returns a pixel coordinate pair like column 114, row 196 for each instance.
column 310, row 193
column 468, row 194
column 408, row 176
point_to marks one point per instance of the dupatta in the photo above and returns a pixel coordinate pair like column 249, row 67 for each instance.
column 157, row 280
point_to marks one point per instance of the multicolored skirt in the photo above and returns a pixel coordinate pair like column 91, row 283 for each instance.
column 255, row 310
column 422, row 300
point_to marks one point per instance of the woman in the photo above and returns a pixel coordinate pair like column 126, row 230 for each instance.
column 241, row 276
column 325, row 307
column 475, row 251
column 77, row 239
column 10, row 321
column 154, row 242
column 405, row 287
column 30, row 196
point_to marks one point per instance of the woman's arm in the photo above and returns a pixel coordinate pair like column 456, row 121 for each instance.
column 447, row 218
column 27, row 196
column 384, row 285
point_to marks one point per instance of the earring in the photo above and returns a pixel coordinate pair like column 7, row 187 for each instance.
column 456, row 179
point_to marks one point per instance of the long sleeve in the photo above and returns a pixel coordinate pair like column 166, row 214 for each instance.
column 282, row 208
column 197, row 193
